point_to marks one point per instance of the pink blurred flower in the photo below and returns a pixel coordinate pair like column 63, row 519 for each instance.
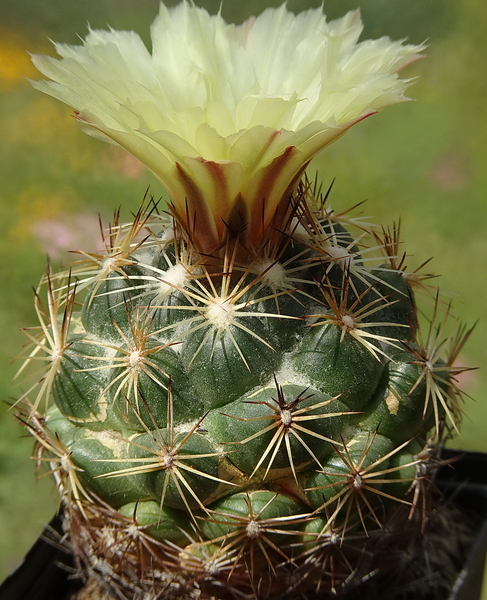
column 68, row 232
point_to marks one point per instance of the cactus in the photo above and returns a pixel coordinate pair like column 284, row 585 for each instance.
column 239, row 401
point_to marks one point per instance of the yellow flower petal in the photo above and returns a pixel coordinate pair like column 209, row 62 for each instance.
column 228, row 116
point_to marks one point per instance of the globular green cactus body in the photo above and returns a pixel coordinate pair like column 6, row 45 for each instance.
column 244, row 409
column 220, row 385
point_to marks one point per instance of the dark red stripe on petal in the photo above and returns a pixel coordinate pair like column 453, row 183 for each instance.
column 196, row 216
column 263, row 209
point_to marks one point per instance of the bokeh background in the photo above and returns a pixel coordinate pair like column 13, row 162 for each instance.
column 425, row 161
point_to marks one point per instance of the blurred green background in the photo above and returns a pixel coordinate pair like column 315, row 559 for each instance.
column 424, row 161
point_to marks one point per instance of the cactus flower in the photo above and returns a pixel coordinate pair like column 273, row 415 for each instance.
column 228, row 117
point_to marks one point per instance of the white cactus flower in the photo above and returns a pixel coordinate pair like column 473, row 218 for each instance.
column 227, row 116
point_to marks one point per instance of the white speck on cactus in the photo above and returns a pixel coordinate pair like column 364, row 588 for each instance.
column 299, row 232
column 66, row 464
column 109, row 440
column 167, row 459
column 358, row 481
column 167, row 235
column 286, row 417
column 212, row 567
column 252, row 529
column 287, row 373
column 220, row 313
column 274, row 274
column 339, row 255
column 109, row 264
column 175, row 277
column 133, row 530
column 56, row 354
column 335, row 539
column 348, row 321
column 134, row 359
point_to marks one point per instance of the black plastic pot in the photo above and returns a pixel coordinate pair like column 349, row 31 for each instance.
column 465, row 482
column 45, row 573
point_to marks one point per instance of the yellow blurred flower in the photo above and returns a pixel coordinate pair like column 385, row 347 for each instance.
column 37, row 203
column 228, row 116
column 15, row 65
